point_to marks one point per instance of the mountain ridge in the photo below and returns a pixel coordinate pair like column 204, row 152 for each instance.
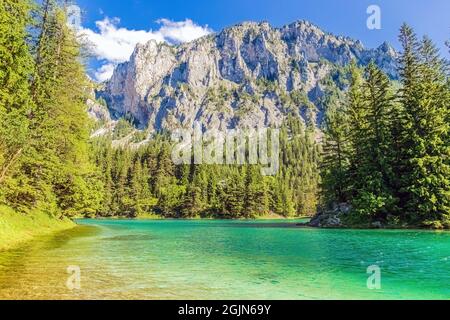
column 249, row 75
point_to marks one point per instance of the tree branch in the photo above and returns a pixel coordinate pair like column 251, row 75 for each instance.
column 9, row 165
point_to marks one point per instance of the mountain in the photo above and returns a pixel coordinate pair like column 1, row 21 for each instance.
column 249, row 75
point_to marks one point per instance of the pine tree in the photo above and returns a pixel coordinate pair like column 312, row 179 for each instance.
column 425, row 149
column 374, row 196
column 335, row 160
column 165, row 171
column 192, row 202
column 234, row 202
column 255, row 193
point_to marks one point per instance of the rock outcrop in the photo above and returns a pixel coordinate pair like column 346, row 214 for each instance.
column 332, row 218
column 246, row 76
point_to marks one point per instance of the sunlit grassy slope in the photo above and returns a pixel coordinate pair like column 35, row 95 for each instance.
column 16, row 228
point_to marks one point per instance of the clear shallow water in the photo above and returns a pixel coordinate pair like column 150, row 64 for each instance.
column 226, row 260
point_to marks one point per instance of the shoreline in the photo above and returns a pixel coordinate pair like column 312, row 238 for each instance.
column 369, row 228
column 17, row 228
column 291, row 220
column 157, row 218
column 340, row 217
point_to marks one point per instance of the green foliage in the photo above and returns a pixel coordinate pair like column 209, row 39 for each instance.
column 386, row 150
column 147, row 176
column 336, row 148
column 359, row 154
column 122, row 129
column 51, row 168
column 16, row 68
column 424, row 150
column 267, row 86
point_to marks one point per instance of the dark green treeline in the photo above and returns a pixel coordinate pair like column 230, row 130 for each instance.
column 146, row 180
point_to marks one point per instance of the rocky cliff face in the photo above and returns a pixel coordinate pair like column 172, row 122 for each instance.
column 249, row 75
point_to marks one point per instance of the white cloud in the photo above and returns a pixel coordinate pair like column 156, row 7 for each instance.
column 115, row 44
column 182, row 31
column 112, row 44
column 105, row 72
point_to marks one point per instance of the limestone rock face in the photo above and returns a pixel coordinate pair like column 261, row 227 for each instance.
column 246, row 76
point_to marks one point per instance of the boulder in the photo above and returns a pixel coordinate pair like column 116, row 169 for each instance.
column 377, row 225
column 332, row 218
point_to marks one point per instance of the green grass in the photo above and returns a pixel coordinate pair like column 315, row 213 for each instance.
column 16, row 228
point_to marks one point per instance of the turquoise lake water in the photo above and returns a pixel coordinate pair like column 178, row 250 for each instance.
column 177, row 259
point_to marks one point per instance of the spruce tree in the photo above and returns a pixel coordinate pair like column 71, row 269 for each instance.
column 374, row 196
column 425, row 148
column 335, row 160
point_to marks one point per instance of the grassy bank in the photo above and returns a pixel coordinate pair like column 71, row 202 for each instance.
column 16, row 228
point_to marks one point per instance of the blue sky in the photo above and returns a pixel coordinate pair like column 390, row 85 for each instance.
column 344, row 17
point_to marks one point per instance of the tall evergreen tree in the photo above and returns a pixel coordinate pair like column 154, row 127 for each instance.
column 374, row 195
column 335, row 161
column 425, row 149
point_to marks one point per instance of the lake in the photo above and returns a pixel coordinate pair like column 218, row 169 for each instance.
column 183, row 259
